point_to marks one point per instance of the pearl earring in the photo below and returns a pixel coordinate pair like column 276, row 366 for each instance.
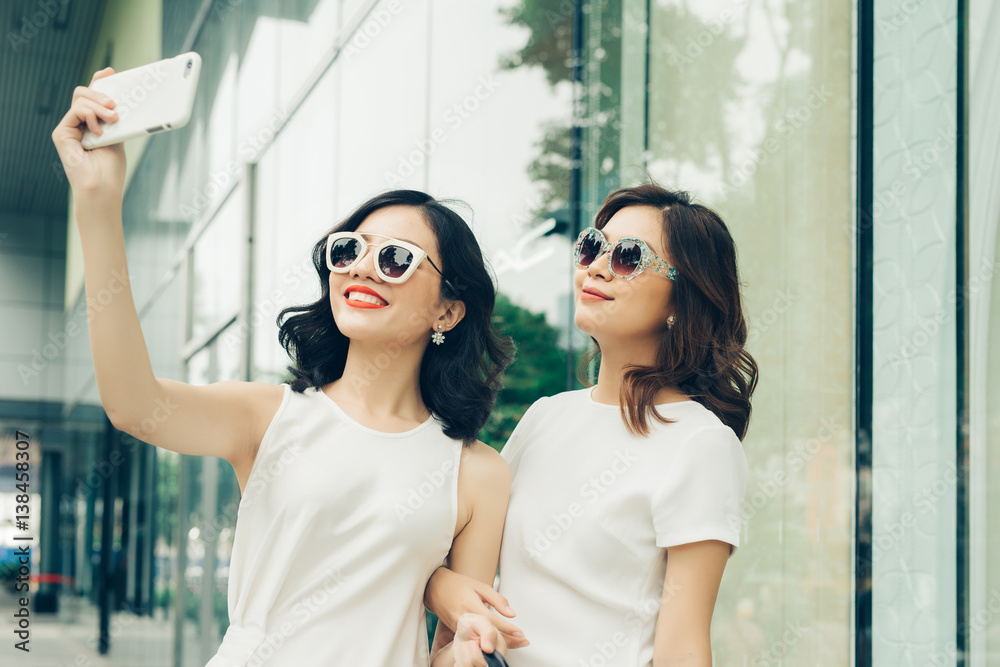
column 437, row 336
column 670, row 321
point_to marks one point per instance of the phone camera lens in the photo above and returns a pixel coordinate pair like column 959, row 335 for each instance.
column 189, row 64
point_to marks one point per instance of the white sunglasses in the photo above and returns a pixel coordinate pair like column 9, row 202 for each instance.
column 395, row 260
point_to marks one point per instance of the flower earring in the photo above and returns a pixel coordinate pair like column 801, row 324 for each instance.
column 670, row 321
column 437, row 336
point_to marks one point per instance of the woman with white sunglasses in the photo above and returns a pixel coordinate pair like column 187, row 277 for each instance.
column 626, row 497
column 349, row 474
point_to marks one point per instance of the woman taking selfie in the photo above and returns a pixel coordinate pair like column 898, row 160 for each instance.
column 626, row 497
column 349, row 474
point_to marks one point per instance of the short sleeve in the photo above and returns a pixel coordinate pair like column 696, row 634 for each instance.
column 702, row 495
column 512, row 450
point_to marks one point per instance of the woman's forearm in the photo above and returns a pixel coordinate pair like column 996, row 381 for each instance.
column 122, row 368
column 431, row 597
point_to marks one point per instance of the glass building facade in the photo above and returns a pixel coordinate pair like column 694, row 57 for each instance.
column 847, row 145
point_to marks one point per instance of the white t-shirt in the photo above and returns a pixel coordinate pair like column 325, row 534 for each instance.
column 592, row 510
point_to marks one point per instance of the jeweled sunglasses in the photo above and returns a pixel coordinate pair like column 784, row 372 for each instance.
column 628, row 257
column 395, row 260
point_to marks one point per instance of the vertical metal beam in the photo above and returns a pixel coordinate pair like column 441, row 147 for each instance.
column 864, row 300
column 575, row 174
column 150, row 522
column 245, row 320
column 962, row 313
column 180, row 562
column 94, row 445
column 105, row 569
column 649, row 57
column 132, row 546
column 47, row 597
column 207, row 626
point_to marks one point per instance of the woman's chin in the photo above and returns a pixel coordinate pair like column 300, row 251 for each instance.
column 368, row 334
column 584, row 323
column 354, row 329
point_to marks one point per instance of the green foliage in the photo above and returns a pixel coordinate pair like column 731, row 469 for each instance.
column 677, row 94
column 431, row 625
column 167, row 490
column 9, row 570
column 549, row 45
column 539, row 369
column 550, row 38
column 551, row 167
column 163, row 596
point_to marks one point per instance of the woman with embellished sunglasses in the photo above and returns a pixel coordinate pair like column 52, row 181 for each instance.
column 626, row 497
column 349, row 474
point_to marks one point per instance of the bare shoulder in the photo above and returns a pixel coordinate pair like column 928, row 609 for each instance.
column 483, row 484
column 262, row 394
column 260, row 400
column 225, row 419
column 265, row 399
column 482, row 468
column 238, row 390
column 255, row 394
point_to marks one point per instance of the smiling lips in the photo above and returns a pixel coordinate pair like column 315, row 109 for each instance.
column 363, row 297
column 591, row 294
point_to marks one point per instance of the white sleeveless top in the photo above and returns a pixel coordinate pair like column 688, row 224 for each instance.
column 338, row 530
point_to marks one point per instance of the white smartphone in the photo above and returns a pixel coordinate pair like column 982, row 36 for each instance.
column 153, row 98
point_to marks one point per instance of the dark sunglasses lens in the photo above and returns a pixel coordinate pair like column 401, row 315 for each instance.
column 590, row 248
column 394, row 260
column 626, row 258
column 344, row 251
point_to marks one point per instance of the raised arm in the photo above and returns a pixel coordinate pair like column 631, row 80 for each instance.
column 484, row 484
column 225, row 419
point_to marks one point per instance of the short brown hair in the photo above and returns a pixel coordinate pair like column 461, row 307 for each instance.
column 703, row 353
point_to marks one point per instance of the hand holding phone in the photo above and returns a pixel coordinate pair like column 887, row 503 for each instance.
column 495, row 659
column 153, row 98
column 94, row 174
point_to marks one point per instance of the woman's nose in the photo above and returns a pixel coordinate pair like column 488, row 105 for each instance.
column 599, row 267
column 365, row 268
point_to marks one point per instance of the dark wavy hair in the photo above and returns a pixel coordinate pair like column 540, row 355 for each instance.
column 703, row 353
column 458, row 381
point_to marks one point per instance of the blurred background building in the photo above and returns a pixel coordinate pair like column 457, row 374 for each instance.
column 848, row 145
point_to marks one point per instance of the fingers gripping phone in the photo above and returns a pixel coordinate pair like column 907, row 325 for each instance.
column 495, row 659
column 153, row 98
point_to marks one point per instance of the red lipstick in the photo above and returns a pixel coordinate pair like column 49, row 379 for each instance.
column 358, row 301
